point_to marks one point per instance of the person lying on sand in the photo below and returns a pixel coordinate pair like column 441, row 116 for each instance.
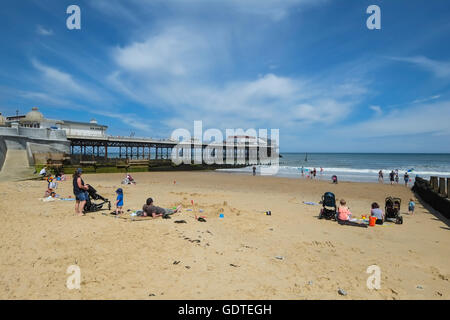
column 153, row 211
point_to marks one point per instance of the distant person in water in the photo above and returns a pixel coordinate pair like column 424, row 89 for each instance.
column 406, row 178
column 314, row 173
column 254, row 170
column 392, row 177
column 380, row 176
column 303, row 171
column 396, row 176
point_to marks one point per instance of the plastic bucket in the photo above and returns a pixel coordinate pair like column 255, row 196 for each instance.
column 372, row 221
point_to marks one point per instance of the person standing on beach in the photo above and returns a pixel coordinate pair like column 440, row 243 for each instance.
column 254, row 170
column 411, row 206
column 119, row 201
column 406, row 178
column 302, row 172
column 80, row 192
column 380, row 176
column 314, row 173
column 396, row 176
column 392, row 177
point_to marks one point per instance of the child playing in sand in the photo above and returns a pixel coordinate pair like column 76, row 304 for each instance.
column 119, row 201
column 411, row 206
column 344, row 213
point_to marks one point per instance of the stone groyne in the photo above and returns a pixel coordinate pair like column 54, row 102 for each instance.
column 435, row 193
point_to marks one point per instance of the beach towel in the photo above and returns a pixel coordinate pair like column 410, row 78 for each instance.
column 310, row 203
column 352, row 223
column 48, row 199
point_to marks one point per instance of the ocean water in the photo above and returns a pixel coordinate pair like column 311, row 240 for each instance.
column 360, row 167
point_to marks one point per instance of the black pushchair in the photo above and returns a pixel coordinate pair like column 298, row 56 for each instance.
column 329, row 209
column 392, row 210
column 90, row 206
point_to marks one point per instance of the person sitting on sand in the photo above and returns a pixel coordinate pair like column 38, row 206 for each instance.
column 149, row 210
column 377, row 212
column 344, row 213
column 130, row 179
column 43, row 172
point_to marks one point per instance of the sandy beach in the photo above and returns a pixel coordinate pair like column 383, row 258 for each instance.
column 229, row 258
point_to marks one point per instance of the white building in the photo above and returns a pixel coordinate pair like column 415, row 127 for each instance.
column 35, row 119
column 91, row 129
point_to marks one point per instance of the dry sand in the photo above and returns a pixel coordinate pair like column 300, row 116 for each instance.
column 234, row 257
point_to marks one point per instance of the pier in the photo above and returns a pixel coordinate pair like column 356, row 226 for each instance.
column 104, row 148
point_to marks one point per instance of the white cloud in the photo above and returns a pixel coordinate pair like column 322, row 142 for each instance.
column 273, row 9
column 440, row 69
column 377, row 109
column 43, row 31
column 176, row 70
column 174, row 52
column 416, row 119
column 58, row 83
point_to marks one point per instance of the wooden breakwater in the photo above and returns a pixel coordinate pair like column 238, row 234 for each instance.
column 435, row 192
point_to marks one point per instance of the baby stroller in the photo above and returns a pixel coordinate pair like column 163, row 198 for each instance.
column 90, row 206
column 329, row 209
column 392, row 210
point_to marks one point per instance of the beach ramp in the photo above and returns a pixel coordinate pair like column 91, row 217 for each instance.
column 16, row 166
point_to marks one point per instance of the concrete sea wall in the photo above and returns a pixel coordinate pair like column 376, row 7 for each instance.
column 34, row 141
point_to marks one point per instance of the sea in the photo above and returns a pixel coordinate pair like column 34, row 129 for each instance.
column 359, row 167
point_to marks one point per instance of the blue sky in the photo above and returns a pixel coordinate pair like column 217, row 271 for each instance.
column 310, row 68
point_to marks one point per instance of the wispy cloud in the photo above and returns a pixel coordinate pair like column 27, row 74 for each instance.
column 416, row 119
column 440, row 69
column 43, row 31
column 377, row 109
column 275, row 10
column 173, row 70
